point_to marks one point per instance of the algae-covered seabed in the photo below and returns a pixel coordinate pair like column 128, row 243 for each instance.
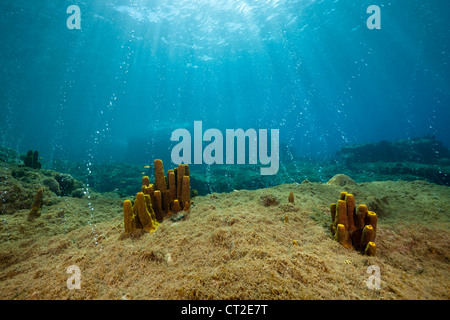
column 231, row 246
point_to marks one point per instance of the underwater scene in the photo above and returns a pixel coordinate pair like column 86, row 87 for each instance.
column 225, row 150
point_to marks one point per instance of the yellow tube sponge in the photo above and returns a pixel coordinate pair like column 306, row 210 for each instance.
column 165, row 199
column 148, row 189
column 371, row 249
column 291, row 197
column 148, row 203
column 333, row 211
column 332, row 229
column 128, row 218
column 367, row 236
column 176, row 206
column 158, row 208
column 351, row 205
column 155, row 201
column 351, row 225
column 341, row 213
column 144, row 216
column 186, row 191
column 145, row 181
column 160, row 179
column 342, row 236
column 172, row 185
column 372, row 219
column 186, row 170
column 361, row 213
column 180, row 175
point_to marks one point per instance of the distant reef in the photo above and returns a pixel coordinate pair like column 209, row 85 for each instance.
column 10, row 156
column 423, row 158
column 426, row 150
column 20, row 184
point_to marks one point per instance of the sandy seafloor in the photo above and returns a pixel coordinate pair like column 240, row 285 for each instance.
column 231, row 246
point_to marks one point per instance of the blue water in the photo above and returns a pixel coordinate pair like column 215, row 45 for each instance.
column 114, row 90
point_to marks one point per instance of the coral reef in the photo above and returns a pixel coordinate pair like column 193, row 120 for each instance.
column 18, row 186
column 358, row 162
column 78, row 193
column 427, row 150
column 10, row 156
column 120, row 178
column 157, row 201
column 66, row 183
column 353, row 226
column 52, row 185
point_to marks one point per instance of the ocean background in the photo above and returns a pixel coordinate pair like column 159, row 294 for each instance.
column 360, row 111
column 114, row 90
